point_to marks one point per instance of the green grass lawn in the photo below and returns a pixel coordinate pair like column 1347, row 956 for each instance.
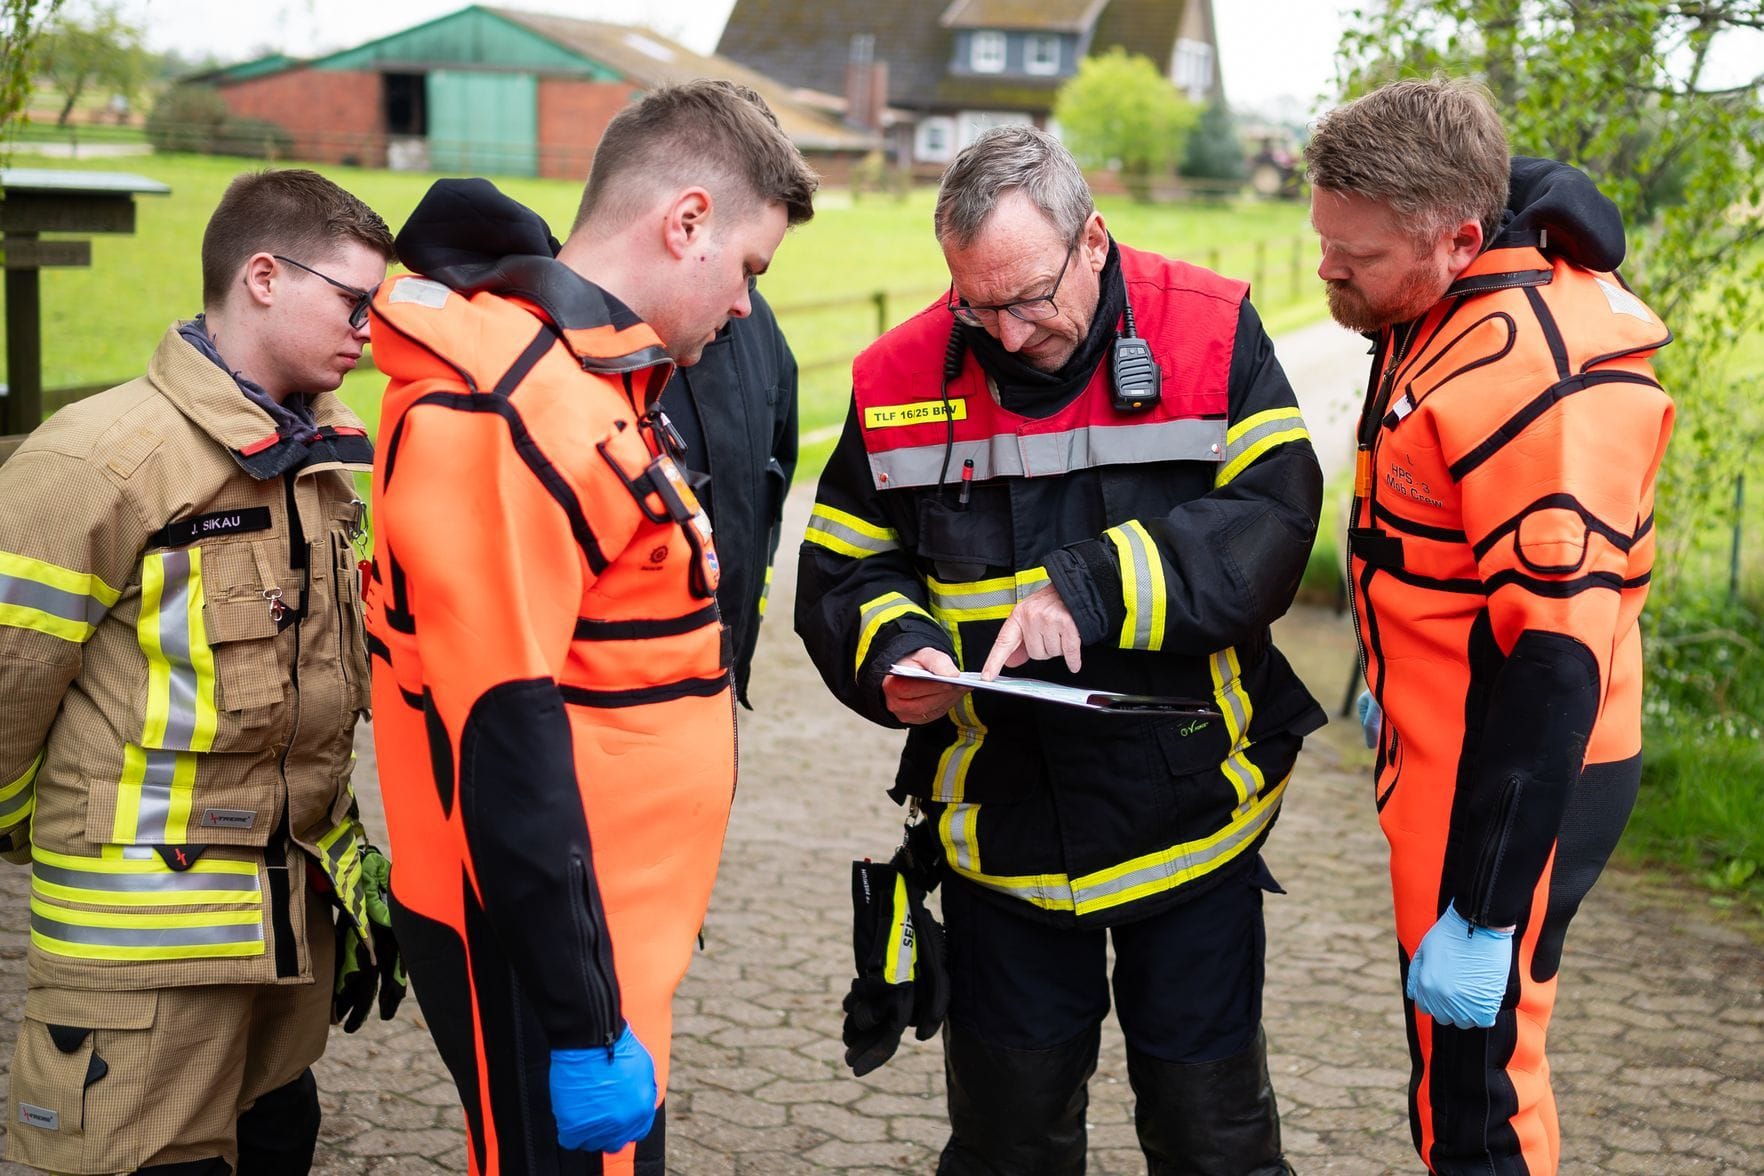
column 99, row 324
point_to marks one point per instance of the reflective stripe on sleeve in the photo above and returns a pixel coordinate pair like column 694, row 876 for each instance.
column 153, row 797
column 1142, row 586
column 53, row 600
column 1255, row 435
column 341, row 861
column 846, row 534
column 180, row 664
column 878, row 612
column 19, row 797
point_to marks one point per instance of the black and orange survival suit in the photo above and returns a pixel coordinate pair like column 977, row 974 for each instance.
column 1175, row 536
column 1501, row 545
column 554, row 722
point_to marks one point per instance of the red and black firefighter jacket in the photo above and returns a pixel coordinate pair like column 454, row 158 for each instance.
column 1174, row 535
column 1501, row 547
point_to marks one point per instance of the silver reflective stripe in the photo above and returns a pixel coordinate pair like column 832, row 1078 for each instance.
column 168, row 882
column 1178, row 865
column 146, row 936
column 1142, row 606
column 156, row 797
column 1040, row 455
column 960, row 829
column 69, row 606
column 837, row 535
column 174, row 643
column 900, row 967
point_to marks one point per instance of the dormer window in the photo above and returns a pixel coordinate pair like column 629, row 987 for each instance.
column 986, row 52
column 1041, row 55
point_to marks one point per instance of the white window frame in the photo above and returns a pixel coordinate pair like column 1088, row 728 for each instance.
column 923, row 146
column 1041, row 54
column 1191, row 67
column 986, row 51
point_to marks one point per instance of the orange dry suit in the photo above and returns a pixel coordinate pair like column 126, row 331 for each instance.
column 1501, row 545
column 555, row 728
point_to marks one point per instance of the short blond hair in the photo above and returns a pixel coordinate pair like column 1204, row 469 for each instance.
column 1432, row 149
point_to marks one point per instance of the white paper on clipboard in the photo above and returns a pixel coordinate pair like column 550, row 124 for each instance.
column 1108, row 701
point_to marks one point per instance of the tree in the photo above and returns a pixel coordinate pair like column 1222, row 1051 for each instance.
column 105, row 52
column 1214, row 151
column 1626, row 90
column 21, row 24
column 1120, row 112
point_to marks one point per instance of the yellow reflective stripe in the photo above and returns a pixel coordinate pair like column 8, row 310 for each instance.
column 1141, row 877
column 846, row 534
column 50, row 599
column 340, row 858
column 1250, row 438
column 1235, row 705
column 878, row 612
column 19, row 797
column 951, row 782
column 1143, row 590
column 107, row 935
column 118, row 882
column 114, row 862
column 180, row 664
column 154, row 796
column 982, row 600
column 955, row 828
column 897, row 965
column 765, row 592
column 128, row 795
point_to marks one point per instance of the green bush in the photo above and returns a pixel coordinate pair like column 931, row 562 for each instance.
column 186, row 118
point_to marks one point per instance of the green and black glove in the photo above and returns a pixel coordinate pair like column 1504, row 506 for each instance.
column 902, row 976
column 360, row 972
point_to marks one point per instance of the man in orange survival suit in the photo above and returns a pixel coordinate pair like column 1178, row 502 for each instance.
column 555, row 727
column 1500, row 547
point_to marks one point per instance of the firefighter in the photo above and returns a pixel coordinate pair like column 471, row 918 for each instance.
column 1500, row 547
column 182, row 661
column 1086, row 456
column 555, row 723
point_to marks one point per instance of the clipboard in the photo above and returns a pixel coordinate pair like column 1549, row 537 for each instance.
column 1106, row 701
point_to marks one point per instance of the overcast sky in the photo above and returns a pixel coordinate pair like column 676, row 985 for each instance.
column 1259, row 69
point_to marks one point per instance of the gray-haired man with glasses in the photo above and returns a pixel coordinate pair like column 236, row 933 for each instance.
column 1087, row 458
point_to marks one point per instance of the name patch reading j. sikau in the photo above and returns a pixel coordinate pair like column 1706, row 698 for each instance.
column 209, row 526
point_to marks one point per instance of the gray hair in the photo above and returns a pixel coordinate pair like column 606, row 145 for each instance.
column 1002, row 160
column 1432, row 149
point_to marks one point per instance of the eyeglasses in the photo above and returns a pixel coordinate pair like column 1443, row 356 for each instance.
column 358, row 312
column 1028, row 310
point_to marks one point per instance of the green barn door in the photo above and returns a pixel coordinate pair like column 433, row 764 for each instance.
column 483, row 123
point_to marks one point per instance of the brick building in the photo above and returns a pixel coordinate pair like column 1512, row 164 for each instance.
column 499, row 92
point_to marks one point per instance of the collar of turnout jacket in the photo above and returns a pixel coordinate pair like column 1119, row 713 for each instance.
column 1188, row 315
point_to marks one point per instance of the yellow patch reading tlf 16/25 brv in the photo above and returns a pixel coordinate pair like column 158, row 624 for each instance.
column 919, row 412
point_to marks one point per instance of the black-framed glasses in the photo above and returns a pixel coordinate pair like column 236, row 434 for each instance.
column 358, row 312
column 1028, row 310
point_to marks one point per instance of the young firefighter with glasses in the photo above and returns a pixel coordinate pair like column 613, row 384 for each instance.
column 182, row 661
column 1085, row 456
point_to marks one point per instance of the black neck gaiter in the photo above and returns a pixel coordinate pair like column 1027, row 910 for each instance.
column 1029, row 391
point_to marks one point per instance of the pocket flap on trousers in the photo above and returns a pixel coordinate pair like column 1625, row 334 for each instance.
column 92, row 1010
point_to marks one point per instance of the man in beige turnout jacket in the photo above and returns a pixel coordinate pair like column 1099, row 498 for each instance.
column 182, row 664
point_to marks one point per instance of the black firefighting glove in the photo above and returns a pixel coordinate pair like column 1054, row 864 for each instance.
column 360, row 974
column 902, row 976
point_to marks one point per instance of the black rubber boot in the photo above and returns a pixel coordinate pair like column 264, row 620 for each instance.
column 1209, row 1118
column 1016, row 1112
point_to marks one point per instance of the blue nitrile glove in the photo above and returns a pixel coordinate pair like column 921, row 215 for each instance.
column 1459, row 973
column 1371, row 717
column 603, row 1098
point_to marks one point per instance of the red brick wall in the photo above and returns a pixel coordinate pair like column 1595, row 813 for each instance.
column 572, row 117
column 335, row 116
